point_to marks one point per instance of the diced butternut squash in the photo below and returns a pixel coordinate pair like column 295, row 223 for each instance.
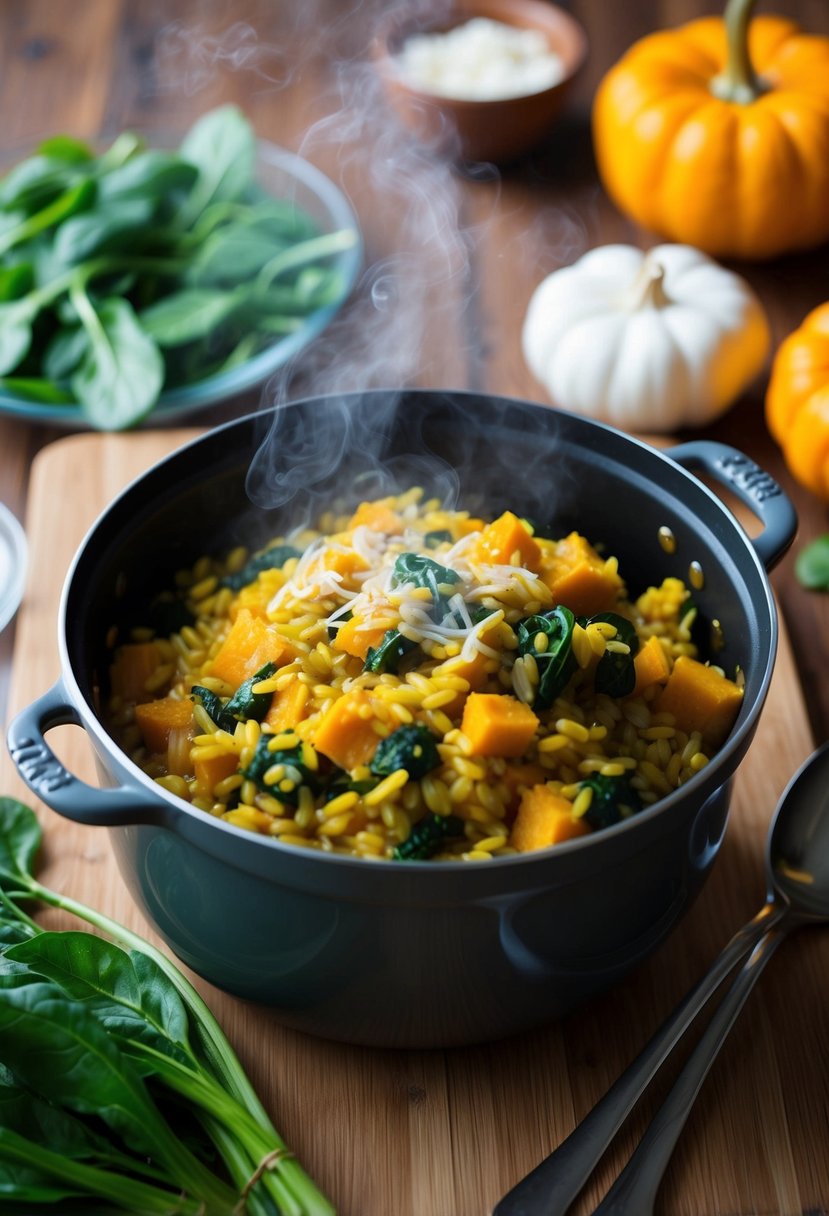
column 700, row 699
column 520, row 777
column 289, row 706
column 507, row 542
column 498, row 725
column 544, row 818
column 651, row 665
column 345, row 733
column 250, row 644
column 578, row 577
column 210, row 772
column 155, row 720
column 341, row 558
column 357, row 635
column 378, row 516
column 463, row 527
column 132, row 668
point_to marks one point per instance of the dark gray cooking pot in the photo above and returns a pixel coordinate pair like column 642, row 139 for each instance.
column 407, row 953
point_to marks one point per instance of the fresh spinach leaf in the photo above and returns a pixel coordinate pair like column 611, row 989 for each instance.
column 188, row 315
column 67, row 150
column 149, row 176
column 15, row 335
column 20, row 838
column 432, row 539
column 222, row 147
column 121, row 374
column 32, row 388
column 103, row 229
column 812, row 565
column 556, row 662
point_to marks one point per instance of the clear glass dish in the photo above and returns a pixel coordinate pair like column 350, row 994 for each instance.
column 288, row 177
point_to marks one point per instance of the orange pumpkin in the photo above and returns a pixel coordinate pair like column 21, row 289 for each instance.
column 797, row 402
column 716, row 134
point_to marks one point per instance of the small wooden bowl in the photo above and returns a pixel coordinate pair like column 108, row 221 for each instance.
column 494, row 130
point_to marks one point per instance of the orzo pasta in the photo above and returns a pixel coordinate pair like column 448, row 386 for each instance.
column 410, row 682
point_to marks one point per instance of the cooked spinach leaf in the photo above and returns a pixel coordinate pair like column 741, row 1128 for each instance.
column 419, row 571
column 614, row 799
column 245, row 704
column 427, row 836
column 615, row 672
column 555, row 661
column 270, row 559
column 412, row 746
column 296, row 771
column 387, row 656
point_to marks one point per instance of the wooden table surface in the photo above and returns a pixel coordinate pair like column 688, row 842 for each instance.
column 450, row 261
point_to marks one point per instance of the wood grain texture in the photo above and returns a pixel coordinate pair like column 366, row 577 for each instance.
column 446, row 1133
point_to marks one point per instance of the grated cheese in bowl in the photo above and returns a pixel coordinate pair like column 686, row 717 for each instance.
column 481, row 60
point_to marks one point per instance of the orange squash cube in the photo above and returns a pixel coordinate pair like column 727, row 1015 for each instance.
column 288, row 707
column 356, row 636
column 345, row 733
column 544, row 818
column 155, row 720
column 250, row 644
column 497, row 724
column 578, row 577
column 378, row 516
column 651, row 665
column 132, row 668
column 506, row 542
column 210, row 772
column 700, row 699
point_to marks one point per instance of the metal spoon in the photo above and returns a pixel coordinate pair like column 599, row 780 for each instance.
column 797, row 875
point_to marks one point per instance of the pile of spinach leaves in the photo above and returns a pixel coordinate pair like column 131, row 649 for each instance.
column 103, row 1041
column 139, row 270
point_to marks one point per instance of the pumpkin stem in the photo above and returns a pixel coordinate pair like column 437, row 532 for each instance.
column 647, row 290
column 738, row 82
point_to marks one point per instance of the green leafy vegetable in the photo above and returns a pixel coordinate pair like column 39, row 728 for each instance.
column 245, row 704
column 812, row 565
column 102, row 1035
column 270, row 559
column 614, row 799
column 296, row 773
column 419, row 571
column 427, row 836
column 433, row 539
column 556, row 661
column 388, row 655
column 413, row 747
column 615, row 672
column 141, row 270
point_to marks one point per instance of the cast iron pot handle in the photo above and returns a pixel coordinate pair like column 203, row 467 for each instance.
column 56, row 786
column 752, row 485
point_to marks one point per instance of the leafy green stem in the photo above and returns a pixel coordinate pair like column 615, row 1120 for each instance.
column 306, row 251
column 128, row 1193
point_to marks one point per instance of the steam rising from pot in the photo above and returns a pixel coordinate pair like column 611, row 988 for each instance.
column 414, row 318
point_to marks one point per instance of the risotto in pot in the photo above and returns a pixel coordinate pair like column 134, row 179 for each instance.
column 409, row 682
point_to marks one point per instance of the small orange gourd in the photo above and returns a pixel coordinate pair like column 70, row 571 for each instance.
column 797, row 402
column 716, row 134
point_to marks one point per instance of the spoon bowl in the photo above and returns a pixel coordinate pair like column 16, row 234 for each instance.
column 797, row 857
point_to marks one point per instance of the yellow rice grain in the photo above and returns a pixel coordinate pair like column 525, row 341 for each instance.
column 582, row 802
column 343, row 802
column 573, row 730
column 174, row 785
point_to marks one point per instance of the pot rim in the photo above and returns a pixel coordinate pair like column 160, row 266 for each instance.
column 702, row 785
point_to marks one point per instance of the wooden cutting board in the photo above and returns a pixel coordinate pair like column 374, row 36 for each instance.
column 447, row 1133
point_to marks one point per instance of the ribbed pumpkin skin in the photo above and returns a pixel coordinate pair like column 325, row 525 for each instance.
column 797, row 401
column 736, row 180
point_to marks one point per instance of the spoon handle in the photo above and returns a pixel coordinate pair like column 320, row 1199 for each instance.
column 634, row 1191
column 553, row 1185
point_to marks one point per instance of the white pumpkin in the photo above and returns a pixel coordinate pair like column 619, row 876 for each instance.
column 646, row 341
